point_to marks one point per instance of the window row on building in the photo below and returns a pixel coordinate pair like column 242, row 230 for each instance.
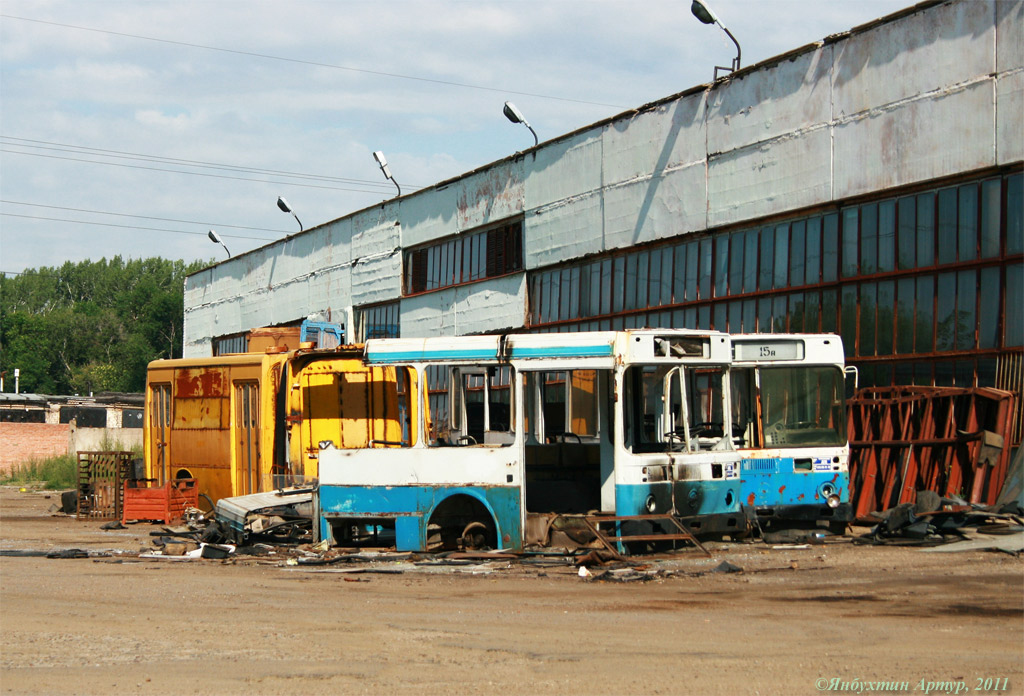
column 924, row 287
column 971, row 224
column 469, row 257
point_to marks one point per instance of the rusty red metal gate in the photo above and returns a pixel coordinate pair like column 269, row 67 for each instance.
column 950, row 440
column 101, row 477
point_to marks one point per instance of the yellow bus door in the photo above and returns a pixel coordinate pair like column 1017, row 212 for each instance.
column 245, row 438
column 159, row 432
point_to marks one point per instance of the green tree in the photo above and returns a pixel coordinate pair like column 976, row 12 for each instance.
column 92, row 325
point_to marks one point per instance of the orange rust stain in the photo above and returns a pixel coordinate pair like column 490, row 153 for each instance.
column 750, row 499
column 199, row 383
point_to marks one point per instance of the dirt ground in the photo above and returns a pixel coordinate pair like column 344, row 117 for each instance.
column 795, row 621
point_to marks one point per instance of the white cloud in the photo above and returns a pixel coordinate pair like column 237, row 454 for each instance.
column 109, row 90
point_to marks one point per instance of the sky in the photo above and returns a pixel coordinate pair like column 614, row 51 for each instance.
column 133, row 128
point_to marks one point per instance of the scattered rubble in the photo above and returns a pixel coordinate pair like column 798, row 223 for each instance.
column 936, row 521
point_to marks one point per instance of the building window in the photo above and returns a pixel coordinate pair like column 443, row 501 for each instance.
column 235, row 343
column 466, row 258
column 923, row 287
column 132, row 418
column 377, row 321
column 84, row 416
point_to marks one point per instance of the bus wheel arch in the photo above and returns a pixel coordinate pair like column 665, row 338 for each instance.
column 462, row 520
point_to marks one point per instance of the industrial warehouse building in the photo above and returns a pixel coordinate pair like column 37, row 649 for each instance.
column 869, row 184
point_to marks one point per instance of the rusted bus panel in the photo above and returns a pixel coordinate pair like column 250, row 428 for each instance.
column 200, row 382
column 280, row 337
column 246, row 423
column 201, row 413
column 349, row 405
column 190, row 429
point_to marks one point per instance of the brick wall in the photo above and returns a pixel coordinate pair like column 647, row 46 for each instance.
column 21, row 442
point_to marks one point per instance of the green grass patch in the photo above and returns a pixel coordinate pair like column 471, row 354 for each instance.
column 55, row 473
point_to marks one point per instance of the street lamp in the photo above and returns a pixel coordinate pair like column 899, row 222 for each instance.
column 516, row 116
column 382, row 161
column 702, row 11
column 283, row 205
column 215, row 238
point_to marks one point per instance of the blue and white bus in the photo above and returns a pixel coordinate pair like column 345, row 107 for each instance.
column 789, row 423
column 509, row 441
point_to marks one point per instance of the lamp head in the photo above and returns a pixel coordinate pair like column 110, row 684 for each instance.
column 383, row 162
column 214, row 237
column 283, row 205
column 703, row 12
column 512, row 113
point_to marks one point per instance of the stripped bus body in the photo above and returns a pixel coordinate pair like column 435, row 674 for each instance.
column 507, row 438
column 251, row 422
column 790, row 426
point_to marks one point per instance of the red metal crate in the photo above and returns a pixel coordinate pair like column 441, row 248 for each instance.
column 163, row 503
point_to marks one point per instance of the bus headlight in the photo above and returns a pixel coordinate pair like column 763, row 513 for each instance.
column 651, row 505
column 833, row 501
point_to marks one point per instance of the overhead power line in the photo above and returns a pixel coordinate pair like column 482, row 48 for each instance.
column 131, row 227
column 118, row 154
column 266, row 56
column 145, row 217
column 179, row 171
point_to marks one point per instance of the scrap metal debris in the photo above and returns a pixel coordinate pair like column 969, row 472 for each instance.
column 935, row 521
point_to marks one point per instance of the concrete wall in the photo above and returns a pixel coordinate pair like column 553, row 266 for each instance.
column 932, row 93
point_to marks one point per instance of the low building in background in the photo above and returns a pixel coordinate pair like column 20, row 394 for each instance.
column 38, row 426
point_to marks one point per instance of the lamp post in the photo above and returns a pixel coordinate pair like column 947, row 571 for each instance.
column 516, row 116
column 702, row 11
column 382, row 161
column 283, row 205
column 215, row 238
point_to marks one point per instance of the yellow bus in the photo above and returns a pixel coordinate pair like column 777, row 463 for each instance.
column 255, row 422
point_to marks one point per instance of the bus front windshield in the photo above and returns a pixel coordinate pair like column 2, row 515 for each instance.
column 802, row 406
column 672, row 408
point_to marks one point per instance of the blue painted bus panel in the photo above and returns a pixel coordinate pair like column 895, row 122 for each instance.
column 720, row 497
column 775, row 483
column 411, row 507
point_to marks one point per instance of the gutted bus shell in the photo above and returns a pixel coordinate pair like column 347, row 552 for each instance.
column 789, row 423
column 253, row 422
column 520, row 426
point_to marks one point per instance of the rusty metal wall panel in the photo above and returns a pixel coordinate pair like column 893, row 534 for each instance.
column 1009, row 107
column 945, row 45
column 787, row 98
column 903, row 144
column 489, row 305
column 489, row 195
column 770, row 178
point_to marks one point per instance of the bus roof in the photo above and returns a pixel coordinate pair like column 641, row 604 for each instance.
column 596, row 348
